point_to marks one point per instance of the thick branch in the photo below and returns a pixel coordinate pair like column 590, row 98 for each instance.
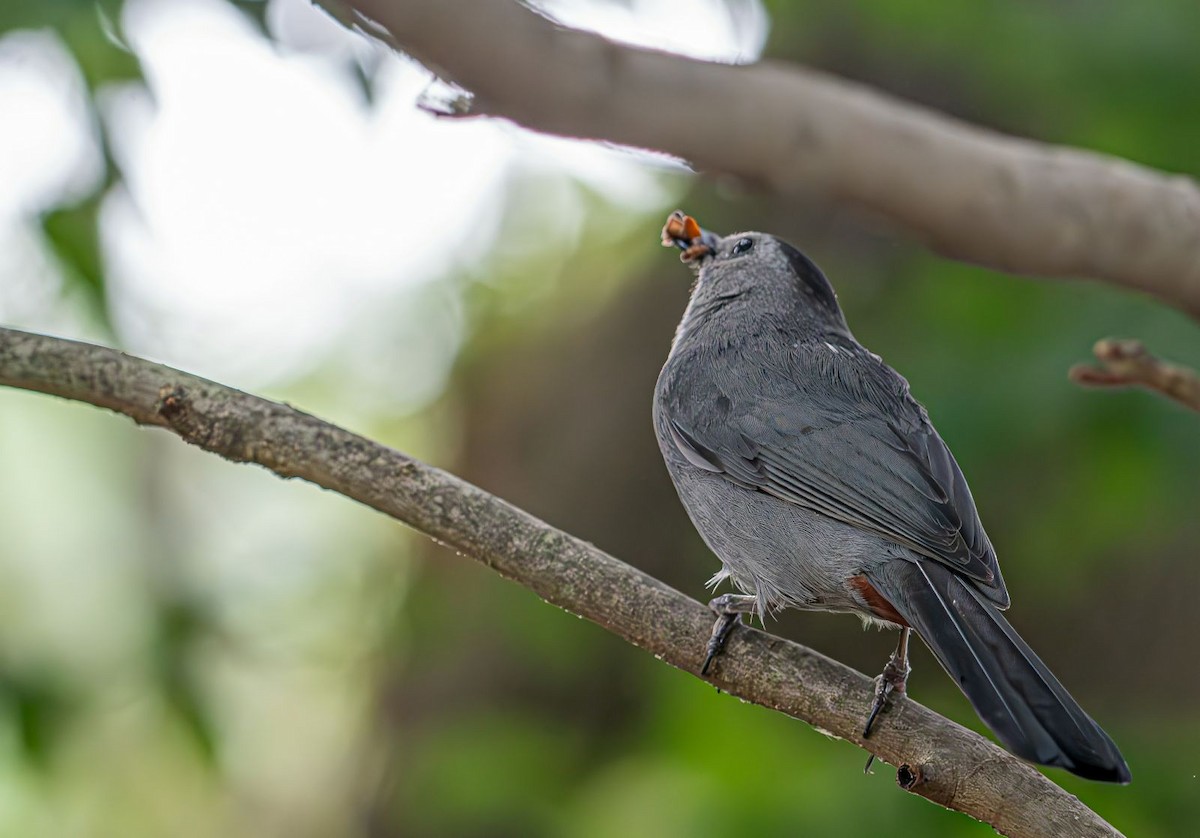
column 938, row 759
column 1127, row 363
column 969, row 193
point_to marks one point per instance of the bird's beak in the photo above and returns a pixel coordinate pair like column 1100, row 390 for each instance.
column 683, row 232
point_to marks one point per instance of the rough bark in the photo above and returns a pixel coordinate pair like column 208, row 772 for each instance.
column 969, row 193
column 937, row 758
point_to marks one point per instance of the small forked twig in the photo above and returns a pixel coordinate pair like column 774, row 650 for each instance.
column 1127, row 363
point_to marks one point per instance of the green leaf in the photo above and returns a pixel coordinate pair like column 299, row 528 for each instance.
column 181, row 625
column 73, row 235
column 40, row 708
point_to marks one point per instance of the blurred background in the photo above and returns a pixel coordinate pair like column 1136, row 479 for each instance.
column 250, row 193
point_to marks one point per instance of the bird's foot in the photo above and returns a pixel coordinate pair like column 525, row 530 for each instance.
column 893, row 680
column 728, row 608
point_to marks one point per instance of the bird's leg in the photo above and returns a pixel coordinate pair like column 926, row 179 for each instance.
column 893, row 679
column 728, row 608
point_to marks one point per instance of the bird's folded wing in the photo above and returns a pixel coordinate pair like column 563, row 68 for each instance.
column 869, row 458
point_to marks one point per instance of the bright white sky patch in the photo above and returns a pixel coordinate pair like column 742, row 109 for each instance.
column 48, row 157
column 269, row 214
column 734, row 31
column 268, row 203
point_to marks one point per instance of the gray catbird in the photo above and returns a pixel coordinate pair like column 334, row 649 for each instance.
column 819, row 482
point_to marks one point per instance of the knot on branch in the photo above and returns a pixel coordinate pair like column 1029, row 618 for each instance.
column 908, row 776
column 172, row 402
column 192, row 415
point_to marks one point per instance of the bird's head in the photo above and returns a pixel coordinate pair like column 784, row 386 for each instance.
column 755, row 274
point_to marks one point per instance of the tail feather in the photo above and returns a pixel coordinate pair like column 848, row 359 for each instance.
column 1010, row 688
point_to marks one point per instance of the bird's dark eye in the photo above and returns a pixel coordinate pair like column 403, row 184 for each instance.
column 742, row 246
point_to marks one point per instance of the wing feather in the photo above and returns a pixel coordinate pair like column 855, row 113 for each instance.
column 846, row 440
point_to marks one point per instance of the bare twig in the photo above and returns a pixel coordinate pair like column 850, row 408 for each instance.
column 1127, row 363
column 972, row 194
column 937, row 758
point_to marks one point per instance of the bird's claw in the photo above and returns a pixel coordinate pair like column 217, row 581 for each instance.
column 716, row 641
column 729, row 609
column 893, row 679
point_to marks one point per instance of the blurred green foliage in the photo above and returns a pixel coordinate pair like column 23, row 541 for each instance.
column 397, row 690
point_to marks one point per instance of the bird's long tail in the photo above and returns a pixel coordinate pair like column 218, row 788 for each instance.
column 1010, row 688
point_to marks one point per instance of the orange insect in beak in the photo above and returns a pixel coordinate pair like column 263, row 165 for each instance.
column 683, row 232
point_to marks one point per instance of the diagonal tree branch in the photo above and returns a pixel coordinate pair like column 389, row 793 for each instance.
column 972, row 194
column 937, row 758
